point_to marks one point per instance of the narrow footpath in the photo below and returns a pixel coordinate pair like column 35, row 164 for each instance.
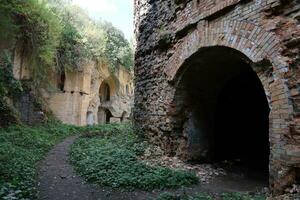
column 58, row 181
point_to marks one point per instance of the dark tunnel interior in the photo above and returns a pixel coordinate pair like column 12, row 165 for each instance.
column 228, row 111
column 241, row 122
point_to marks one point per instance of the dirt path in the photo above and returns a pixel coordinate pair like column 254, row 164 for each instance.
column 58, row 181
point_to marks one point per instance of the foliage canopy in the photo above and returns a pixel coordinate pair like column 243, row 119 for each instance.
column 57, row 35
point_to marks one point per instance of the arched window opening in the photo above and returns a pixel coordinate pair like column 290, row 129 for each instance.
column 104, row 92
column 61, row 78
column 108, row 116
column 127, row 89
column 123, row 116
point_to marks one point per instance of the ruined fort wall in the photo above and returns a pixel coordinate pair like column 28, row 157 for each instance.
column 81, row 95
column 71, row 100
column 168, row 32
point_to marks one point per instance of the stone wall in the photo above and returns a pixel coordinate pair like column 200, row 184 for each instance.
column 30, row 113
column 265, row 33
column 75, row 97
column 79, row 101
column 26, row 105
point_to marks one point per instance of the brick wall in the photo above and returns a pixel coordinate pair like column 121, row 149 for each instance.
column 266, row 32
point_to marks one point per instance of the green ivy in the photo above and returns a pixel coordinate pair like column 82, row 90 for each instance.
column 36, row 33
column 95, row 39
column 110, row 158
column 72, row 52
column 117, row 49
column 21, row 148
column 56, row 35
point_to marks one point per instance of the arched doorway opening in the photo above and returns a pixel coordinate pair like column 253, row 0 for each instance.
column 104, row 92
column 104, row 116
column 89, row 118
column 60, row 82
column 123, row 117
column 222, row 110
column 127, row 89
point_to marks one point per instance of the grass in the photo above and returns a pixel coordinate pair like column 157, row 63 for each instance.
column 169, row 196
column 21, row 147
column 202, row 196
column 238, row 196
column 110, row 158
column 107, row 155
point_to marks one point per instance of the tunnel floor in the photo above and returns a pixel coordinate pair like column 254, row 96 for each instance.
column 219, row 178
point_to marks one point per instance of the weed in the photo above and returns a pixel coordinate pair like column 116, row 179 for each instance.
column 21, row 147
column 203, row 196
column 239, row 196
column 112, row 160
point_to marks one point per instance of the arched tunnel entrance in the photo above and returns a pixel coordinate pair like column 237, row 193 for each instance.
column 104, row 116
column 104, row 92
column 223, row 110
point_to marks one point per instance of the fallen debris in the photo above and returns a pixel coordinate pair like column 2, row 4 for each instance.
column 153, row 156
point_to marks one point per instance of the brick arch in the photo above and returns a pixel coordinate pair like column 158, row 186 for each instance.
column 257, row 45
column 251, row 40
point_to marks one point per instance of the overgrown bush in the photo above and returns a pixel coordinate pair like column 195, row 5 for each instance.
column 72, row 52
column 52, row 36
column 117, row 50
column 111, row 159
column 56, row 35
column 36, row 33
column 94, row 39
